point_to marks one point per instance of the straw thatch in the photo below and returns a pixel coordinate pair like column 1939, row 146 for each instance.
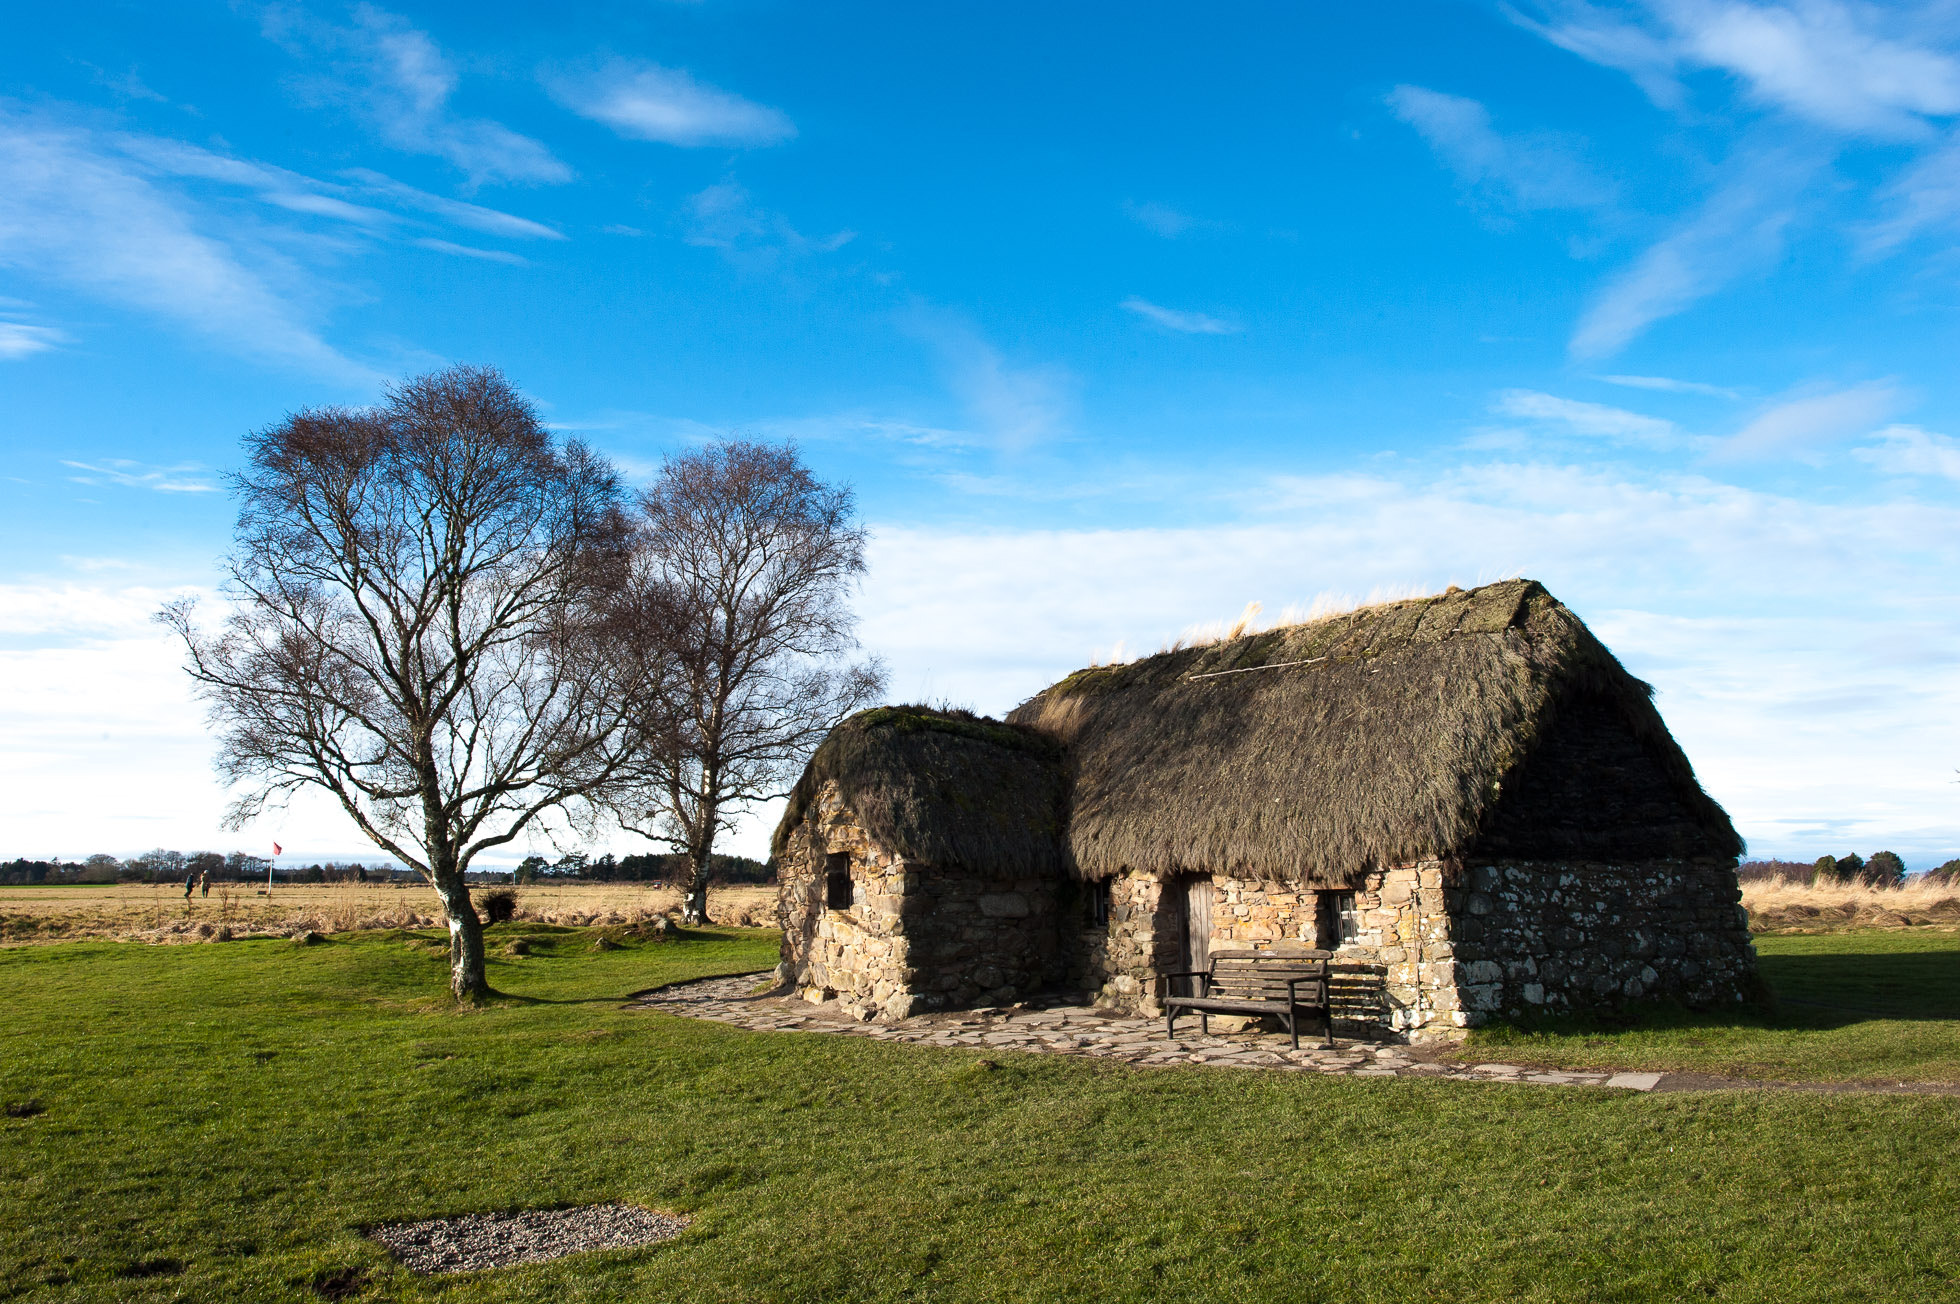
column 1486, row 721
column 943, row 788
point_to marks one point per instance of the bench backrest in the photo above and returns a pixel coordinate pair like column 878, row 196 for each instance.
column 1263, row 975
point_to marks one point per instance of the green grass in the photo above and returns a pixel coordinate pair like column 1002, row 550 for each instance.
column 220, row 1121
column 1871, row 1006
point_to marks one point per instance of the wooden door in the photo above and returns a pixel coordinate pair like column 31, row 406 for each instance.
column 1197, row 925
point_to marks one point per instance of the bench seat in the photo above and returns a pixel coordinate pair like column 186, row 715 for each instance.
column 1286, row 984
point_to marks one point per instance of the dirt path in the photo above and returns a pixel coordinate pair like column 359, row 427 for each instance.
column 1057, row 1029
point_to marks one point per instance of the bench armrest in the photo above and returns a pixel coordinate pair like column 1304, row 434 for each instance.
column 1203, row 974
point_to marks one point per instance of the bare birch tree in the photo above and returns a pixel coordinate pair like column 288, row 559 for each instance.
column 739, row 606
column 408, row 631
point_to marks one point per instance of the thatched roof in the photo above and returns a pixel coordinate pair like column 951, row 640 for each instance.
column 1490, row 720
column 943, row 788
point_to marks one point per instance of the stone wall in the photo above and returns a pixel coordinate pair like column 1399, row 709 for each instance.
column 1395, row 972
column 917, row 937
column 1536, row 937
column 1123, row 962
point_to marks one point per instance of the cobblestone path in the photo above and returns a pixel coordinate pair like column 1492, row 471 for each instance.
column 1082, row 1030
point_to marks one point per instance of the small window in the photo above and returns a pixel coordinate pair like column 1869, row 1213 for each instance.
column 1099, row 904
column 1340, row 923
column 837, row 880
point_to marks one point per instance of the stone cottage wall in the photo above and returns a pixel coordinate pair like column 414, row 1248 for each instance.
column 1536, row 937
column 917, row 937
column 1122, row 962
column 1396, row 972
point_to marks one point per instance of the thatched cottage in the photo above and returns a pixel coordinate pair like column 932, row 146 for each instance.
column 1465, row 798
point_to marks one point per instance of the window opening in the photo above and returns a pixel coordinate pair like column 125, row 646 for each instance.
column 837, row 880
column 1340, row 922
column 1099, row 903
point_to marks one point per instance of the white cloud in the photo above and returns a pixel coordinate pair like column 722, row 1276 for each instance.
column 645, row 101
column 1924, row 197
column 1822, row 61
column 455, row 250
column 1173, row 319
column 1800, row 426
column 726, row 217
column 1162, row 219
column 1581, row 418
column 1521, row 172
column 1010, row 406
column 1669, row 385
column 392, row 74
column 473, row 217
column 1832, row 64
column 140, row 475
column 1605, row 38
column 1909, row 450
column 79, row 213
column 1739, row 231
column 1734, row 603
column 19, row 340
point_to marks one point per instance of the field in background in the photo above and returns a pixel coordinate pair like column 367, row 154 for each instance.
column 1779, row 906
column 145, row 912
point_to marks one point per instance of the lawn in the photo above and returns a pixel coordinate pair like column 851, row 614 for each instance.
column 219, row 1121
column 1874, row 1006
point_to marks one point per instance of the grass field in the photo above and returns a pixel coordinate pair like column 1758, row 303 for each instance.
column 218, row 1122
column 159, row 912
column 1873, row 1006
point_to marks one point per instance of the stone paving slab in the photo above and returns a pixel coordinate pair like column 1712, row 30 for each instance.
column 1062, row 1029
column 1085, row 1030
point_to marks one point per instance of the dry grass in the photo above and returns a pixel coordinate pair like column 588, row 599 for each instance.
column 159, row 913
column 1779, row 906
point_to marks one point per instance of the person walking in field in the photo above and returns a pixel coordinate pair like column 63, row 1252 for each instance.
column 190, row 881
column 204, row 883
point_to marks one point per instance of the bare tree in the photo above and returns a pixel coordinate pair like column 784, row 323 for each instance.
column 739, row 609
column 408, row 627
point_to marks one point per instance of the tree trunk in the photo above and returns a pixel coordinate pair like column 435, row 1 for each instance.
column 694, row 897
column 466, row 976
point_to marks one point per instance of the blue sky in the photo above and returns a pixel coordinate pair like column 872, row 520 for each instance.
column 1118, row 319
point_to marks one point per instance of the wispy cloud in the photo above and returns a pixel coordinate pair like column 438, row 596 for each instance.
column 121, row 471
column 1596, row 420
column 726, row 217
column 77, row 212
column 1924, row 197
column 1800, row 426
column 1909, row 450
column 1521, row 172
column 1166, row 221
column 19, row 340
column 473, row 217
column 1010, row 405
column 1857, row 69
column 1668, row 385
column 393, row 75
column 645, row 101
column 470, row 251
column 1739, row 231
column 1173, row 319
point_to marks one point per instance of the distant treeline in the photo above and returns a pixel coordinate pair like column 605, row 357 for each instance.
column 174, row 867
column 578, row 867
column 1884, row 869
column 157, row 866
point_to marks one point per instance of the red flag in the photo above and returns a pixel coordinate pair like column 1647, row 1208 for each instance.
column 277, row 849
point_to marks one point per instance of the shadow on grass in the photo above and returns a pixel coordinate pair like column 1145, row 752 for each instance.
column 1836, row 989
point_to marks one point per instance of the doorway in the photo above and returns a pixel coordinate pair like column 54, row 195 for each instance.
column 1196, row 892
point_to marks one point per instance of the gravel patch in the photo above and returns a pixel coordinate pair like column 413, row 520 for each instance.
column 474, row 1241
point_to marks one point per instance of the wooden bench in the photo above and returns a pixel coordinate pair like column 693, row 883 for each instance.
column 1283, row 983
